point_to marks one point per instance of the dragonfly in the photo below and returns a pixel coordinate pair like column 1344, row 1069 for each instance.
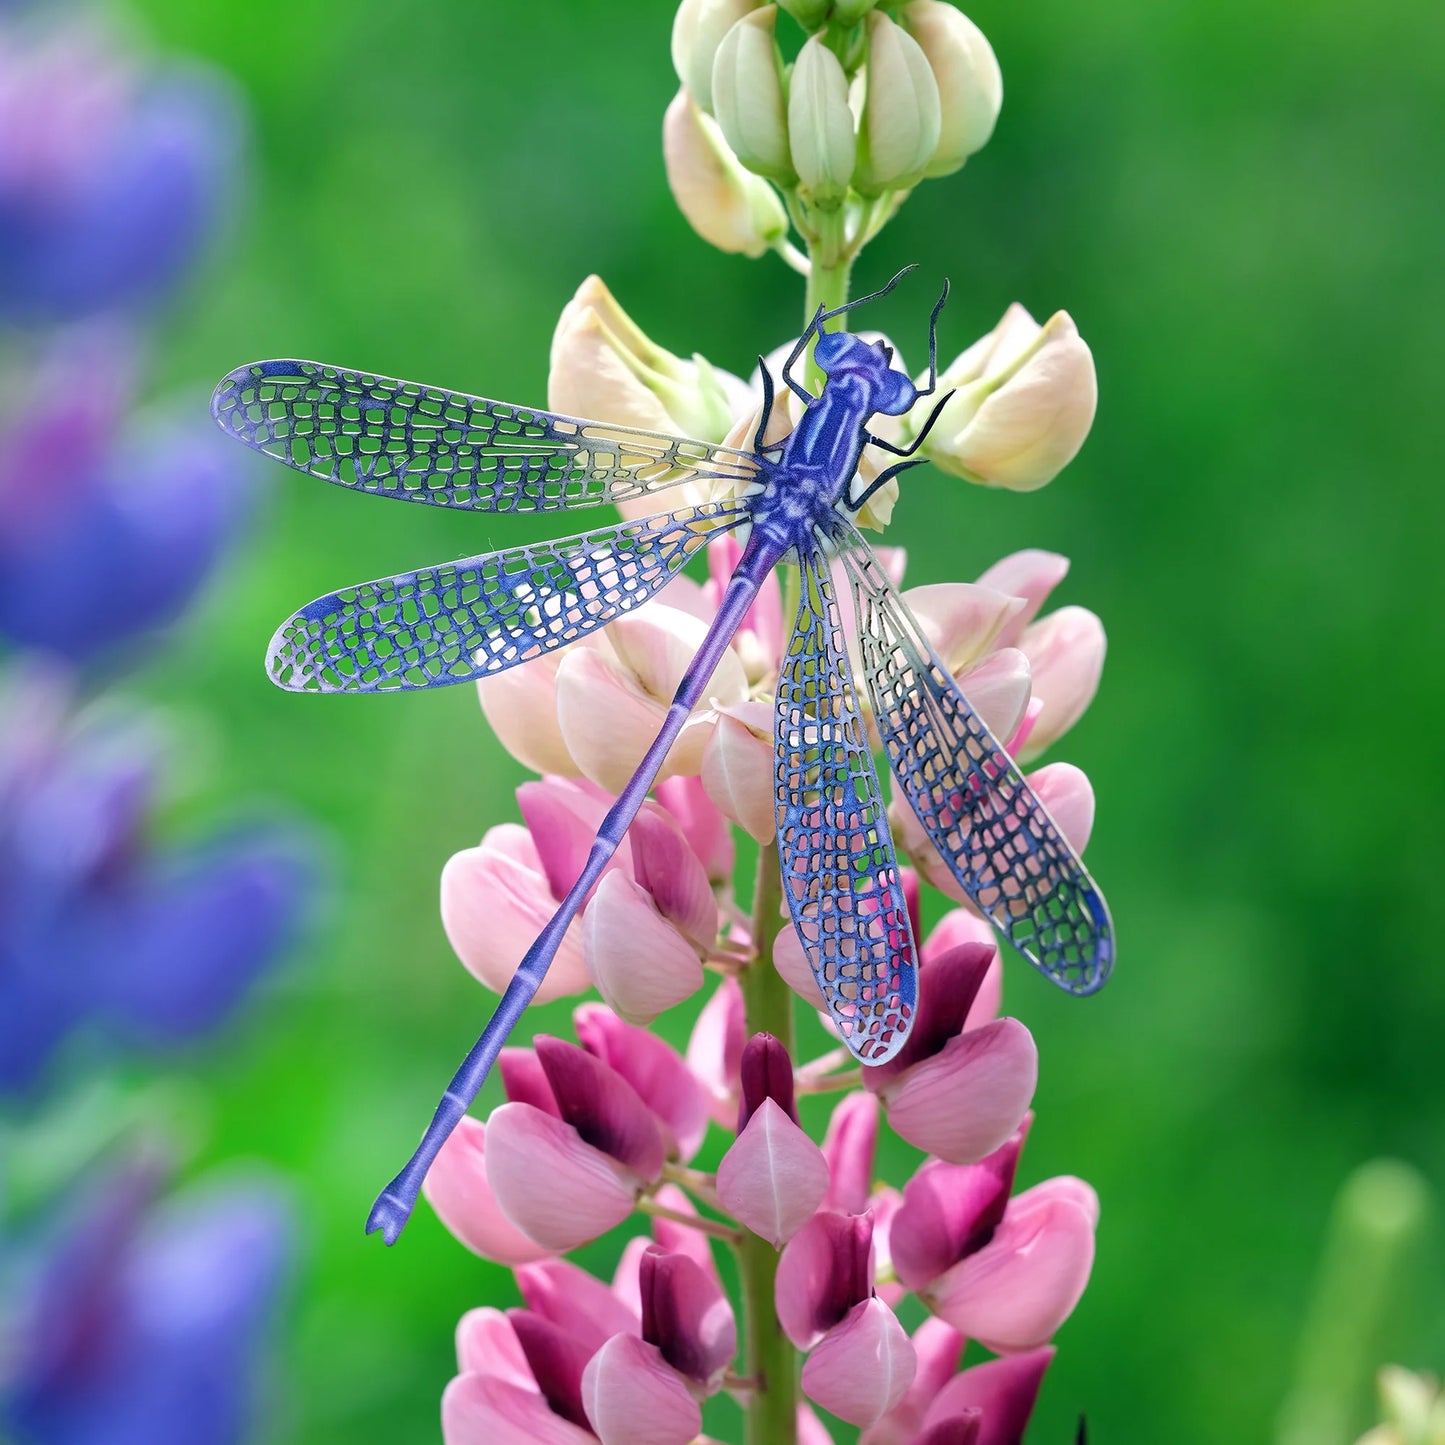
column 791, row 501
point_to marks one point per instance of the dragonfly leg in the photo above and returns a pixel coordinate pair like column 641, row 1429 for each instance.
column 394, row 1205
column 884, row 445
column 933, row 346
column 767, row 411
column 864, row 300
column 794, row 385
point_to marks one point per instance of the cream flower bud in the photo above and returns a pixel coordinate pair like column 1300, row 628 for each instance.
column 970, row 85
column 1023, row 402
column 902, row 116
column 697, row 31
column 747, row 95
column 606, row 368
column 820, row 125
column 725, row 204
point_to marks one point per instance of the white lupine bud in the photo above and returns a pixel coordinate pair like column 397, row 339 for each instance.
column 697, row 31
column 1023, row 402
column 970, row 85
column 727, row 206
column 820, row 125
column 747, row 96
column 901, row 114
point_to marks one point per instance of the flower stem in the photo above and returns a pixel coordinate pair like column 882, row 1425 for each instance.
column 770, row 1360
column 831, row 263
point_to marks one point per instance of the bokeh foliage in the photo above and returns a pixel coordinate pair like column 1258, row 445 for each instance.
column 1242, row 205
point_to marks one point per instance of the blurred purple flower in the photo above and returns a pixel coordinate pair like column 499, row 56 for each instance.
column 104, row 536
column 99, row 926
column 111, row 176
column 136, row 1323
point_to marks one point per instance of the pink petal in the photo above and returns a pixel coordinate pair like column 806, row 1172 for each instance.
column 792, row 963
column 678, row 1238
column 884, row 1207
column 1004, row 1391
column 640, row 963
column 1016, row 1291
column 811, row 1430
column 553, row 1187
column 604, row 1109
column 483, row 1410
column 1064, row 1186
column 704, row 827
column 670, row 872
column 849, row 1147
column 520, row 705
column 654, row 1068
column 633, row 1398
column 962, row 620
column 556, row 1360
column 714, row 1051
column 456, row 1187
column 525, row 1080
column 938, row 1348
column 963, row 925
column 863, row 1368
column 760, row 638
column 826, row 1268
column 1068, row 796
column 493, row 908
column 563, row 816
column 1066, row 657
column 606, row 721
column 487, row 1345
column 658, row 645
column 773, row 1177
column 1030, row 576
column 687, row 1316
column 576, row 1301
column 964, row 1102
column 998, row 688
column 737, row 771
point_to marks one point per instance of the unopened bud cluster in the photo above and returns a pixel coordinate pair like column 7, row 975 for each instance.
column 872, row 103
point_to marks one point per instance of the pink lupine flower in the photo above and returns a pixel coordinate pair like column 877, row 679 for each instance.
column 563, row 815
column 633, row 1398
column 937, row 1349
column 457, row 1189
column 1003, row 1392
column 737, row 767
column 992, row 1069
column 863, row 1367
column 642, row 966
column 848, row 1148
column 715, row 1050
column 573, row 1300
column 825, row 1269
column 774, row 1176
column 704, row 827
column 520, row 706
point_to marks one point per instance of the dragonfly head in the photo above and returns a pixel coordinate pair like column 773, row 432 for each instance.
column 841, row 353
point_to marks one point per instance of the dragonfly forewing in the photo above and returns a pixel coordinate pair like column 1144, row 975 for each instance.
column 839, row 871
column 989, row 826
column 423, row 444
column 464, row 620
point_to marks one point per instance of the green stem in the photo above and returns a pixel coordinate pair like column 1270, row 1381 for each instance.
column 831, row 264
column 770, row 1359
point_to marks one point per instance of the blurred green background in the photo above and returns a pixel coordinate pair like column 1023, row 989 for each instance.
column 1241, row 204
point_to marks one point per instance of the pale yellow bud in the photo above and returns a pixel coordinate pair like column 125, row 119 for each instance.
column 1024, row 399
column 820, row 125
column 726, row 205
column 902, row 118
column 697, row 31
column 970, row 85
column 747, row 96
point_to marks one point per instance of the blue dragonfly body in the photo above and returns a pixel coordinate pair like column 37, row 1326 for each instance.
column 792, row 501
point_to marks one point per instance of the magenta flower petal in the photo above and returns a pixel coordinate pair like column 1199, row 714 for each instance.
column 525, row 1080
column 687, row 1316
column 562, row 815
column 826, row 1268
column 1016, row 1291
column 704, row 827
column 669, row 870
column 950, row 1211
column 965, row 1428
column 766, row 1072
column 848, row 1147
column 863, row 1367
column 483, row 1410
column 715, row 1051
column 655, row 1069
column 555, row 1188
column 575, row 1301
column 634, row 1398
column 773, row 1177
column 938, row 1348
column 1065, row 1186
column 456, row 1187
column 948, row 987
column 488, row 1345
column 965, row 1102
column 604, row 1109
column 639, row 961
column 1003, row 1391
column 556, row 1360
column 1030, row 576
column 959, row 926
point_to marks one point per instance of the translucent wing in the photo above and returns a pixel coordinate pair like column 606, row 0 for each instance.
column 422, row 444
column 973, row 802
column 469, row 619
column 839, row 870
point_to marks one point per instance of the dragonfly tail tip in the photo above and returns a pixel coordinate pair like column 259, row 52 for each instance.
column 389, row 1215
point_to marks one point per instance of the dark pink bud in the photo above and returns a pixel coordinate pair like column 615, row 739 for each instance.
column 766, row 1072
column 687, row 1316
column 1002, row 1391
column 963, row 1429
column 602, row 1106
column 556, row 1360
column 825, row 1269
